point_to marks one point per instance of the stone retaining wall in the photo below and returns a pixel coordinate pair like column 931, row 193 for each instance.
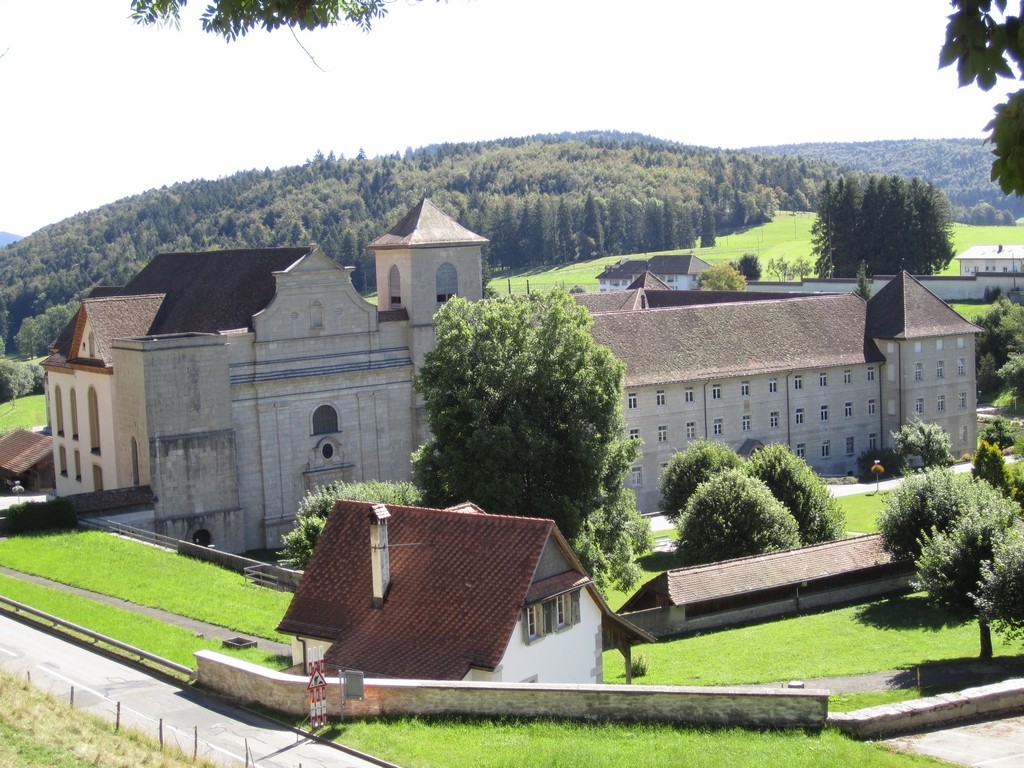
column 923, row 714
column 762, row 708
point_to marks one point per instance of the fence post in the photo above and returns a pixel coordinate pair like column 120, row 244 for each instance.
column 117, row 718
column 161, row 734
column 72, row 697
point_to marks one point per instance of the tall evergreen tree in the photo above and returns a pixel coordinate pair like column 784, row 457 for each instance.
column 592, row 237
column 707, row 230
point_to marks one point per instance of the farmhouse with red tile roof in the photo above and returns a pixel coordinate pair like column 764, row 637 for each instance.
column 451, row 594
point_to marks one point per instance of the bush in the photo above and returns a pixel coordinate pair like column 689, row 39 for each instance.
column 41, row 516
column 639, row 665
column 687, row 469
column 1000, row 431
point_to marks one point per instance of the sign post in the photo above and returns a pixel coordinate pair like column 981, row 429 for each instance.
column 317, row 689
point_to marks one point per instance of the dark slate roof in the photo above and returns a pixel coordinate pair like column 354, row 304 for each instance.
column 705, row 342
column 654, row 298
column 905, row 309
column 427, row 226
column 114, row 500
column 611, row 301
column 685, row 586
column 20, row 450
column 212, row 291
column 458, row 580
column 664, row 264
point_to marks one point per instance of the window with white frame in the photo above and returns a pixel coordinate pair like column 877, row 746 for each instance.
column 631, row 401
column 849, row 445
column 940, row 403
column 919, row 405
column 634, row 433
column 959, row 342
column 872, row 442
column 961, row 366
column 871, row 406
column 823, row 379
column 918, row 371
column 551, row 616
column 717, row 426
column 801, row 450
column 744, row 389
column 961, row 400
column 826, row 448
column 799, row 418
column 636, row 475
column 938, row 345
column 798, row 382
column 716, row 391
column 773, row 419
column 745, row 423
column 940, row 369
column 917, row 346
column 848, row 410
column 871, row 373
column 773, row 384
column 691, row 430
column 659, row 397
column 688, row 395
column 847, row 376
column 824, row 413
column 662, row 433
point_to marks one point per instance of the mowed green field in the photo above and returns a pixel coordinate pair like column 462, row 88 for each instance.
column 787, row 235
column 23, row 413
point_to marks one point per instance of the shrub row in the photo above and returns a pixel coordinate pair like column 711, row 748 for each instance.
column 41, row 516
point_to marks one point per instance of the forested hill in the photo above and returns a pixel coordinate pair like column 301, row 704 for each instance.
column 959, row 167
column 540, row 200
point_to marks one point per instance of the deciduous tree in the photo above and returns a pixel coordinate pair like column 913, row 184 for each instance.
column 924, row 439
column 818, row 515
column 687, row 469
column 525, row 410
column 733, row 515
column 721, row 277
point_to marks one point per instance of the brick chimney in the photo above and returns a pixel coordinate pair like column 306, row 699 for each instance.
column 379, row 561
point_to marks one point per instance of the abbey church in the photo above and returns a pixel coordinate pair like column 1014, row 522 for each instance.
column 229, row 383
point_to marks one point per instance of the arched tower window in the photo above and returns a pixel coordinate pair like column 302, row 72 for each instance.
column 395, row 288
column 446, row 282
column 92, row 345
column 58, row 410
column 325, row 420
column 316, row 315
column 135, row 462
column 74, row 415
column 94, row 421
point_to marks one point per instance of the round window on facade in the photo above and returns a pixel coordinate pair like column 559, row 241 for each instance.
column 327, row 451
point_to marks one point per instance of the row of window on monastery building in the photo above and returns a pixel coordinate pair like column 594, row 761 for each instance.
column 92, row 406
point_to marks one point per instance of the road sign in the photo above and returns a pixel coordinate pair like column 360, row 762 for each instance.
column 317, row 689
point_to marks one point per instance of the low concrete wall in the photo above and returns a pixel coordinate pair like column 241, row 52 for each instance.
column 287, row 578
column 946, row 287
column 673, row 620
column 762, row 708
column 922, row 714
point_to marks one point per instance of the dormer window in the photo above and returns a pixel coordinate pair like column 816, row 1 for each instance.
column 551, row 616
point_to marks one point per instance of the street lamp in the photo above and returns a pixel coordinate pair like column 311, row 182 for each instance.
column 18, row 488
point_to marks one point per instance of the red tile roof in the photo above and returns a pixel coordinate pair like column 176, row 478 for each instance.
column 458, row 580
column 20, row 450
column 905, row 309
column 685, row 586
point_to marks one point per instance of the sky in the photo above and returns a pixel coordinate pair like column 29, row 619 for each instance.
column 96, row 108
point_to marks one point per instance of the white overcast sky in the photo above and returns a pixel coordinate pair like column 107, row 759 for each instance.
column 95, row 108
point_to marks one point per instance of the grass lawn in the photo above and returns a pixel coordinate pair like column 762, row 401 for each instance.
column 149, row 576
column 23, row 413
column 415, row 743
column 651, row 565
column 901, row 633
column 862, row 511
column 164, row 640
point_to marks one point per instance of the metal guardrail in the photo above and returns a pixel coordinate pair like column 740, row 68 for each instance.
column 97, row 637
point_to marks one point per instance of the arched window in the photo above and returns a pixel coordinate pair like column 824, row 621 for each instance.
column 92, row 344
column 58, row 409
column 316, row 315
column 97, row 477
column 94, row 421
column 395, row 288
column 446, row 282
column 74, row 415
column 135, row 462
column 325, row 420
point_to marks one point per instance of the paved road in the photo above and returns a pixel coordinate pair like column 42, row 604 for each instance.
column 225, row 733
column 993, row 744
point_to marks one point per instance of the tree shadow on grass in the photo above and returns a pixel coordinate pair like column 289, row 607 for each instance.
column 659, row 561
column 908, row 612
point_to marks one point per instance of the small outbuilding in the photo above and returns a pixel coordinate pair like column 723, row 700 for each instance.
column 27, row 457
column 748, row 589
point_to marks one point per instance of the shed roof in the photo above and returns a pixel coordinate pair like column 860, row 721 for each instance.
column 20, row 450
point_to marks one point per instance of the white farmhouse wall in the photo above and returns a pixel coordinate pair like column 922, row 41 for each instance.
column 573, row 655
